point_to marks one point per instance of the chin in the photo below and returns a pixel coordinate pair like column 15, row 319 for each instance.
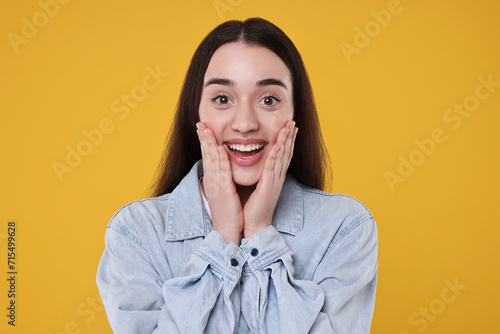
column 246, row 176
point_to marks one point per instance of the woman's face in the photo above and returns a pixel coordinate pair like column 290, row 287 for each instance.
column 246, row 99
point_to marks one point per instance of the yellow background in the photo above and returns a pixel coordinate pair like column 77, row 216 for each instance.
column 440, row 225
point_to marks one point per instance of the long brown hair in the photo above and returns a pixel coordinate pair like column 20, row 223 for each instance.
column 310, row 159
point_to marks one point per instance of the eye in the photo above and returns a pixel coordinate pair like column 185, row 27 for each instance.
column 270, row 100
column 221, row 99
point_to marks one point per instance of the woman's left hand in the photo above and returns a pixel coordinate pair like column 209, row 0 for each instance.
column 259, row 209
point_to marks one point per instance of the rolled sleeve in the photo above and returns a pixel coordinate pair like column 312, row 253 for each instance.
column 348, row 277
column 138, row 300
column 264, row 248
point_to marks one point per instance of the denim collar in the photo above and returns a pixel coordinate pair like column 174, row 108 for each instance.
column 188, row 219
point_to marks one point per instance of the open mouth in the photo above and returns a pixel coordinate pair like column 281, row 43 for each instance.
column 246, row 151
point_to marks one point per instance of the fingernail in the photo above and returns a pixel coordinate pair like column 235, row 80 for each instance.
column 197, row 126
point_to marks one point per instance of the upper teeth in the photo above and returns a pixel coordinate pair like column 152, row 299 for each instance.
column 245, row 148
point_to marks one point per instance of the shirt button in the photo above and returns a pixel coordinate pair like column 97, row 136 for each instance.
column 234, row 262
column 254, row 252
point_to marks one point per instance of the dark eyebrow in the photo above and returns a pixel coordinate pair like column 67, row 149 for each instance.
column 261, row 83
column 220, row 81
column 271, row 81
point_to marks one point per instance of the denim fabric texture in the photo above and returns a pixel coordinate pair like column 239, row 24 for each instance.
column 164, row 270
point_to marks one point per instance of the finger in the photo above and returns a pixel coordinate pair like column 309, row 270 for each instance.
column 214, row 153
column 279, row 154
column 275, row 155
column 287, row 150
column 207, row 168
column 296, row 130
column 225, row 166
column 268, row 171
column 202, row 137
column 281, row 158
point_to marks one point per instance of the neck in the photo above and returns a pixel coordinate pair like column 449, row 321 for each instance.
column 244, row 192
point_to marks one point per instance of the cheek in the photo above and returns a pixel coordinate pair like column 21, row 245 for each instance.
column 274, row 132
column 206, row 112
column 206, row 116
column 213, row 122
column 278, row 122
column 203, row 113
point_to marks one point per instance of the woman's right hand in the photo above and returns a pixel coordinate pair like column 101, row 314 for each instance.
column 219, row 188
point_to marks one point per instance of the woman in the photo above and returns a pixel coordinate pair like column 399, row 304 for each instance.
column 243, row 240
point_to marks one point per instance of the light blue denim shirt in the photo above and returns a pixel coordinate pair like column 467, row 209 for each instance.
column 164, row 270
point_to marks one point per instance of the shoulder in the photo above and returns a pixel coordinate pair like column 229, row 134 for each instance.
column 336, row 215
column 147, row 206
column 326, row 203
column 138, row 218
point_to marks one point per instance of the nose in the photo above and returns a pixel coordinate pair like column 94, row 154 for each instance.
column 245, row 119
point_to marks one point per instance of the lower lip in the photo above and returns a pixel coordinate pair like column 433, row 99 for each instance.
column 245, row 162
